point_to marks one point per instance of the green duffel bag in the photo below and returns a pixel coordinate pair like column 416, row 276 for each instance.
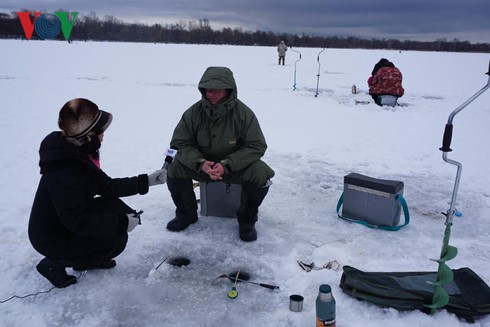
column 469, row 295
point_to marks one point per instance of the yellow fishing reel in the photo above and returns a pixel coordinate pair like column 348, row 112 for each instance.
column 233, row 293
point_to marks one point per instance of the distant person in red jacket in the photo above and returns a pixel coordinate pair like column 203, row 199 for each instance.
column 385, row 79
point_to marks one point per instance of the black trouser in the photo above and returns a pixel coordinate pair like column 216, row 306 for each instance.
column 281, row 58
column 184, row 198
column 84, row 250
column 251, row 198
column 182, row 192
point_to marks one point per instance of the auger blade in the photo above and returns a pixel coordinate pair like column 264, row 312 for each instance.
column 440, row 299
column 444, row 276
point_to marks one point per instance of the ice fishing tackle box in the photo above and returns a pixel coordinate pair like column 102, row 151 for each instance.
column 219, row 199
column 373, row 202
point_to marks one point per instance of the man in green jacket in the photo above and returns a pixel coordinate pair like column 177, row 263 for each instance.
column 218, row 139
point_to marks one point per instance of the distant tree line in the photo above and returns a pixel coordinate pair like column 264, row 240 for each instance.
column 92, row 28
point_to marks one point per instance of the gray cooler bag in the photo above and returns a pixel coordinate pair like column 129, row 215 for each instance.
column 373, row 202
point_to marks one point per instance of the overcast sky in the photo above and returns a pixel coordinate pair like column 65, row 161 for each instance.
column 424, row 20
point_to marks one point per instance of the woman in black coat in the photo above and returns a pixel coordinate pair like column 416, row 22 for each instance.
column 77, row 219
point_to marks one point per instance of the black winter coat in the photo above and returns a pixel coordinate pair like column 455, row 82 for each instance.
column 61, row 209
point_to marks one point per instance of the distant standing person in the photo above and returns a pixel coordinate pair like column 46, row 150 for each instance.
column 281, row 50
column 385, row 79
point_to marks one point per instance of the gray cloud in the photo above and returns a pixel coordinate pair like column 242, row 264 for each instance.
column 401, row 19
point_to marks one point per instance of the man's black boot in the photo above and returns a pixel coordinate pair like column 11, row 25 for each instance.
column 247, row 231
column 181, row 222
column 184, row 198
column 251, row 198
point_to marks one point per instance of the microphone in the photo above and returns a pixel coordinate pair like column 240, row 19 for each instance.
column 169, row 157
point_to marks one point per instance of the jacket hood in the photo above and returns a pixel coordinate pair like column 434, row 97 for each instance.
column 218, row 78
column 55, row 152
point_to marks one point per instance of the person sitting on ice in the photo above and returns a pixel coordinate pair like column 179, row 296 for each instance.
column 77, row 219
column 385, row 80
column 218, row 139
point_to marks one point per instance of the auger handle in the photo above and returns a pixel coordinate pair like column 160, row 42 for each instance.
column 269, row 286
column 446, row 139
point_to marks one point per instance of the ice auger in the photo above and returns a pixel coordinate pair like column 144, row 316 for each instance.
column 294, row 85
column 448, row 252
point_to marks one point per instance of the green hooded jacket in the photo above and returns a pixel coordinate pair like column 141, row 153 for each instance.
column 227, row 131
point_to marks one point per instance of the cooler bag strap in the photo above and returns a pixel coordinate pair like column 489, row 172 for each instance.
column 398, row 197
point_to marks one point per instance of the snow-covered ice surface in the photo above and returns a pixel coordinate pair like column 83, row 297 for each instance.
column 313, row 143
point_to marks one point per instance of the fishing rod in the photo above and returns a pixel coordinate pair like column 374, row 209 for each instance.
column 269, row 286
column 233, row 293
column 245, row 280
column 176, row 262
